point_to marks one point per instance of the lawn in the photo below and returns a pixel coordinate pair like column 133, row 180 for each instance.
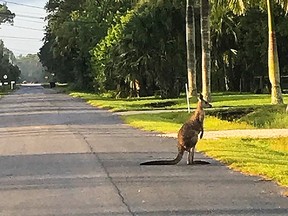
column 219, row 100
column 264, row 157
column 252, row 110
column 172, row 121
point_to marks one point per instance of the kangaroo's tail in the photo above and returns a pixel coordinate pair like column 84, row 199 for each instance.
column 165, row 162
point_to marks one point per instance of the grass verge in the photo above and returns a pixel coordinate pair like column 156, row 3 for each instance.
column 172, row 121
column 265, row 157
column 219, row 100
column 263, row 114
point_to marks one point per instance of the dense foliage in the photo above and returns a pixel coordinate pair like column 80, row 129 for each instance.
column 8, row 70
column 74, row 29
column 128, row 45
column 6, row 15
column 147, row 45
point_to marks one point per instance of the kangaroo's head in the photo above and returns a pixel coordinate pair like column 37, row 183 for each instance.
column 203, row 103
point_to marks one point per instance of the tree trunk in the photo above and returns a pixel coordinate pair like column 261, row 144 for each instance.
column 273, row 61
column 190, row 45
column 206, row 47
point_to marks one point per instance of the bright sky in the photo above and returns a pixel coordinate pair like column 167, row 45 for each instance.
column 25, row 36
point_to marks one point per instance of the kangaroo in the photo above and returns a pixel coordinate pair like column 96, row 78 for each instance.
column 187, row 135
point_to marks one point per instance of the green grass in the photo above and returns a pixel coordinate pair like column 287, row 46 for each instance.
column 172, row 121
column 222, row 100
column 128, row 104
column 264, row 157
column 264, row 115
column 219, row 100
column 4, row 90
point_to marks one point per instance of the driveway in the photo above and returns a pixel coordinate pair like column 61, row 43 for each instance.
column 60, row 156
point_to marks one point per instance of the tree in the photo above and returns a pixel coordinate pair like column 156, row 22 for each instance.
column 273, row 60
column 74, row 29
column 147, row 45
column 59, row 52
column 6, row 14
column 6, row 66
column 206, row 47
column 191, row 48
column 102, row 54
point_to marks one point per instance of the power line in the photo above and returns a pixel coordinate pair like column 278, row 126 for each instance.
column 43, row 18
column 26, row 20
column 28, row 16
column 23, row 27
column 25, row 5
column 21, row 38
column 31, row 13
column 22, row 15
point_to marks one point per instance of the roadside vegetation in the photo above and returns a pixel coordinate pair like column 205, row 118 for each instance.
column 171, row 122
column 127, row 45
column 264, row 157
column 5, row 90
column 220, row 100
column 230, row 111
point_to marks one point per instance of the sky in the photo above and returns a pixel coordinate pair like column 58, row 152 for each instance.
column 26, row 34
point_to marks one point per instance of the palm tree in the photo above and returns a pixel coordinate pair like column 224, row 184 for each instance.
column 206, row 47
column 190, row 44
column 273, row 61
column 239, row 7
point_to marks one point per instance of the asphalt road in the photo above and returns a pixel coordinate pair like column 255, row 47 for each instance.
column 60, row 156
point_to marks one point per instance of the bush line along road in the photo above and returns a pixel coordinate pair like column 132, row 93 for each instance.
column 60, row 156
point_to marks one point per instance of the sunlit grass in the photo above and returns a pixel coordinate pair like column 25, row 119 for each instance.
column 279, row 144
column 264, row 157
column 171, row 122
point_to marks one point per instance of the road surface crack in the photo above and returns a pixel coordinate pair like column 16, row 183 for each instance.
column 108, row 174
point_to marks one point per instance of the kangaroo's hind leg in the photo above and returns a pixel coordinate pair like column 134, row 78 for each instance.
column 190, row 156
column 192, row 143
